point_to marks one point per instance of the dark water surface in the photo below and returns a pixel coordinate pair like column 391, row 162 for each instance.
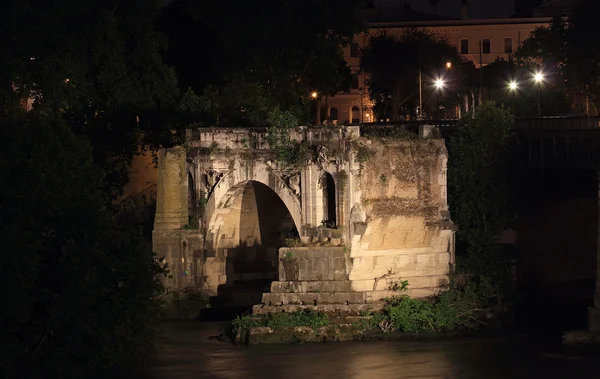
column 187, row 352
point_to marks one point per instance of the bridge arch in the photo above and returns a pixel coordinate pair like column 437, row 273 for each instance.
column 250, row 213
column 232, row 181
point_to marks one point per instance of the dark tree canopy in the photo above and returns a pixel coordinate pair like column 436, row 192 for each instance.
column 78, row 290
column 97, row 65
column 256, row 57
column 568, row 51
column 392, row 64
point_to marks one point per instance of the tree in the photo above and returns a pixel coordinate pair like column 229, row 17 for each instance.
column 497, row 77
column 96, row 64
column 257, row 57
column 393, row 63
column 483, row 191
column 568, row 52
column 79, row 292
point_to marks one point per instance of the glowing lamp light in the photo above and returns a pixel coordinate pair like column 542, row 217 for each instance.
column 448, row 64
column 314, row 95
column 513, row 86
column 439, row 83
column 539, row 77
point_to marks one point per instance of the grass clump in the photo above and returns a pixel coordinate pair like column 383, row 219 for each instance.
column 305, row 317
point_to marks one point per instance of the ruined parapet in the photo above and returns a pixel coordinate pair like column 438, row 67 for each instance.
column 400, row 224
column 172, row 193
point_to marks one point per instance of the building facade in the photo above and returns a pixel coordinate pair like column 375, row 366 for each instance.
column 480, row 41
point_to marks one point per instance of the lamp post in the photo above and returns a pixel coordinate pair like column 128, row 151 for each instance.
column 360, row 91
column 439, row 85
column 539, row 78
column 514, row 86
column 315, row 96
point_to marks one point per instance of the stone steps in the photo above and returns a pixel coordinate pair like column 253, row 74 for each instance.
column 329, row 309
column 314, row 298
column 307, row 286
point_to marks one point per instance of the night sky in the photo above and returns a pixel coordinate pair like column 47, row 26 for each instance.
column 451, row 8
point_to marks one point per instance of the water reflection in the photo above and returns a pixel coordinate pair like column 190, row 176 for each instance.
column 187, row 353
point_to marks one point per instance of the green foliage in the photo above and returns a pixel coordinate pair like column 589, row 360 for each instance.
column 104, row 77
column 283, row 148
column 80, row 291
column 364, row 154
column 393, row 67
column 567, row 54
column 201, row 206
column 276, row 55
column 292, row 242
column 213, row 148
column 483, row 181
column 454, row 308
column 399, row 286
column 305, row 317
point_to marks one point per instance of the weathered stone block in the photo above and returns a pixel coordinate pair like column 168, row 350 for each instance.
column 313, row 263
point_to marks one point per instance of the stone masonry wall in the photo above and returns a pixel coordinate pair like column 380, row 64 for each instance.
column 401, row 228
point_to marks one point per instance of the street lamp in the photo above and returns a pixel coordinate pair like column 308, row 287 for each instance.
column 314, row 95
column 514, row 86
column 448, row 65
column 539, row 79
column 439, row 84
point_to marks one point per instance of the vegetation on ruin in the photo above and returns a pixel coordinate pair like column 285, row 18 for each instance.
column 484, row 184
column 305, row 317
column 363, row 153
column 456, row 308
column 283, row 148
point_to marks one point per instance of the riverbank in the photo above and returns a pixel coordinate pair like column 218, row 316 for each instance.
column 191, row 350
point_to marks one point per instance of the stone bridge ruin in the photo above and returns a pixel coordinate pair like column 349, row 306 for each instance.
column 334, row 231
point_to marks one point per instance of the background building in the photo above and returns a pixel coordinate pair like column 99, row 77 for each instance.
column 481, row 41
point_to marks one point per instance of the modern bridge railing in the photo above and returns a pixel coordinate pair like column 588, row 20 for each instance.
column 558, row 123
column 532, row 123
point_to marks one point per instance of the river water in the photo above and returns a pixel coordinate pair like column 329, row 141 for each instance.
column 187, row 351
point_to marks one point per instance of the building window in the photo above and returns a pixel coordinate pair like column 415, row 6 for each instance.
column 486, row 46
column 333, row 113
column 354, row 48
column 355, row 115
column 508, row 47
column 464, row 46
column 354, row 81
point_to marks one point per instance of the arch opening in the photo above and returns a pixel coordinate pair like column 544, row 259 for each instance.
column 329, row 200
column 254, row 224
